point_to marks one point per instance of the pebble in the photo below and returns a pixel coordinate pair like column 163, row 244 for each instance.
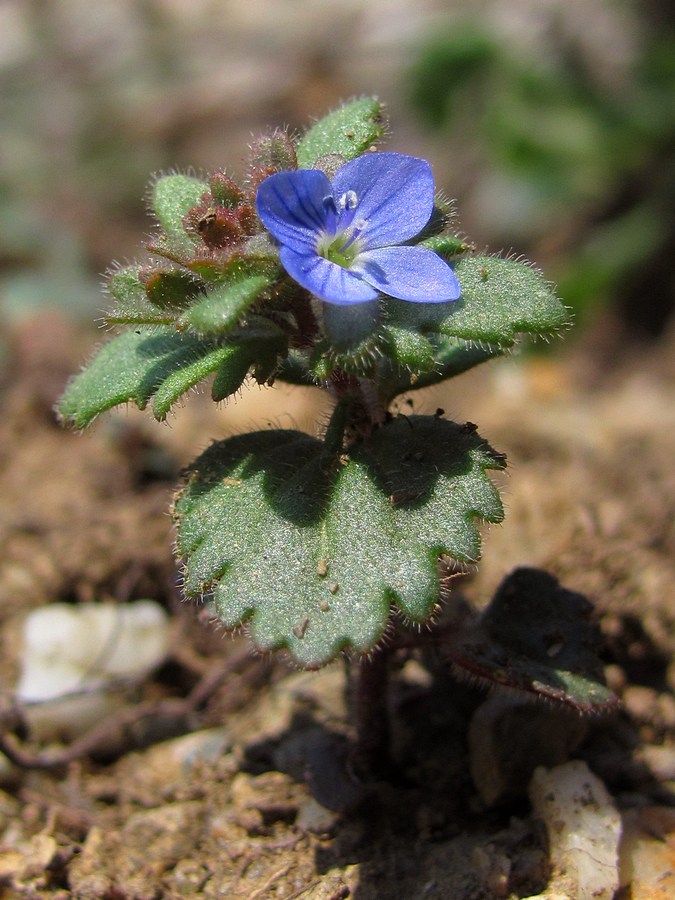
column 315, row 818
column 584, row 828
column 27, row 859
column 660, row 760
column 640, row 703
column 647, row 859
column 73, row 653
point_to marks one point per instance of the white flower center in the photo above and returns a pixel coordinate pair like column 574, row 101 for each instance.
column 342, row 246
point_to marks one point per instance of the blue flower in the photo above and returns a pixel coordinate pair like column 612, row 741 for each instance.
column 345, row 240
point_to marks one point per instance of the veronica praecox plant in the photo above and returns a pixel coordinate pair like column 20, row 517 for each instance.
column 333, row 265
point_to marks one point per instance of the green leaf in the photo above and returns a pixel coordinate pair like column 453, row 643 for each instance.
column 125, row 285
column 537, row 637
column 224, row 305
column 295, row 369
column 501, row 298
column 230, row 375
column 350, row 130
column 173, row 196
column 409, row 349
column 267, row 344
column 312, row 548
column 452, row 357
column 133, row 306
column 446, row 245
column 232, row 357
column 136, row 365
column 171, row 289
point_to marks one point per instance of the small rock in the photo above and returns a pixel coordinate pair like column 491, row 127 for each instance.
column 72, row 653
column 28, row 860
column 315, row 818
column 660, row 760
column 332, row 887
column 616, row 679
column 641, row 703
column 583, row 827
column 647, row 854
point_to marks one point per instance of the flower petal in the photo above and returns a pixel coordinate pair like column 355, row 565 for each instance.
column 408, row 273
column 395, row 195
column 325, row 279
column 291, row 206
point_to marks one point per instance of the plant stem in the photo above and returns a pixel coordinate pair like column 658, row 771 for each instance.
column 359, row 410
column 372, row 757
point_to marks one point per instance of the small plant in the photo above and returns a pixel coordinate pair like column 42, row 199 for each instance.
column 336, row 266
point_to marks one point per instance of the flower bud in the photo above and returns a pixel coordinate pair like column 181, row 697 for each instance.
column 216, row 225
column 225, row 191
column 270, row 153
column 169, row 288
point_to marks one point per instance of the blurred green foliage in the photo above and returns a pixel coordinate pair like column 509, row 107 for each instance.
column 589, row 158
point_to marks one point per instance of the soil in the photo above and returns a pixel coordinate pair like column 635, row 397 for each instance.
column 229, row 775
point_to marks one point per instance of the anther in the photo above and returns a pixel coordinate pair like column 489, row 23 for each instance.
column 329, row 204
column 348, row 201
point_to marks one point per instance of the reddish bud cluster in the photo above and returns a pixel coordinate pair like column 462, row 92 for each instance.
column 220, row 226
column 226, row 216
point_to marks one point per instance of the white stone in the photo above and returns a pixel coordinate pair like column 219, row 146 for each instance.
column 73, row 654
column 584, row 830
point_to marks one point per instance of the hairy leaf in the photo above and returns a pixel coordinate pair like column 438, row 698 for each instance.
column 501, row 298
column 172, row 198
column 537, row 637
column 312, row 548
column 410, row 349
column 172, row 289
column 348, row 131
column 224, row 305
column 132, row 305
column 452, row 357
column 137, row 365
column 446, row 245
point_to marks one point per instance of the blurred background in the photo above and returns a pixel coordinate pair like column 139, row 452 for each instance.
column 552, row 124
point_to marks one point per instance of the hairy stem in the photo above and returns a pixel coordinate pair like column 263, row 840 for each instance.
column 371, row 757
column 360, row 398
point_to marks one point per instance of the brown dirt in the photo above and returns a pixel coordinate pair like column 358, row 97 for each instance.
column 256, row 799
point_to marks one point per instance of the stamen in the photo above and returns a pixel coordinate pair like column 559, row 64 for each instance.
column 355, row 231
column 348, row 201
column 329, row 204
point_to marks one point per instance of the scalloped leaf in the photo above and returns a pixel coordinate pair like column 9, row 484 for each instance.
column 173, row 196
column 311, row 549
column 501, row 299
column 160, row 363
column 349, row 131
column 537, row 637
